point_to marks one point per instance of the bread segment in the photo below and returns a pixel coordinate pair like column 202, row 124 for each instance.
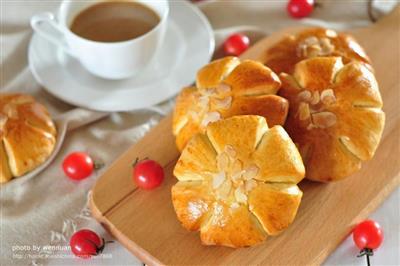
column 192, row 201
column 231, row 227
column 27, row 134
column 230, row 182
column 278, row 158
column 336, row 123
column 275, row 205
column 224, row 88
column 311, row 43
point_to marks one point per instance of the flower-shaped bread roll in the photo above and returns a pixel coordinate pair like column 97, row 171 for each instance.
column 335, row 115
column 224, row 88
column 237, row 182
column 27, row 135
column 309, row 43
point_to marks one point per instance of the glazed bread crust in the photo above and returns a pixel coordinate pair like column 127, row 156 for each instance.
column 238, row 182
column 27, row 135
column 225, row 88
column 335, row 115
column 310, row 43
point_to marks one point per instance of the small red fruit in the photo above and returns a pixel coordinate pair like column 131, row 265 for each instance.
column 236, row 44
column 86, row 243
column 78, row 165
column 148, row 174
column 300, row 8
column 368, row 235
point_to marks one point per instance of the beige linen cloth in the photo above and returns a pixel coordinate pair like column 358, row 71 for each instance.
column 49, row 207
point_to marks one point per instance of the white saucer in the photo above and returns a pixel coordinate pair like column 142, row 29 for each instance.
column 188, row 45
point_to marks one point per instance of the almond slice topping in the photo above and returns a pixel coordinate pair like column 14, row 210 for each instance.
column 203, row 101
column 324, row 119
column 304, row 111
column 10, row 110
column 328, row 97
column 3, row 120
column 224, row 88
column 218, row 180
column 304, row 96
column 235, row 205
column 193, row 114
column 311, row 40
column 224, row 103
column 240, row 196
column 209, row 92
column 326, row 46
column 315, row 98
column 250, row 185
column 210, row 117
column 225, row 190
column 237, row 168
column 230, row 151
column 222, row 161
column 251, row 172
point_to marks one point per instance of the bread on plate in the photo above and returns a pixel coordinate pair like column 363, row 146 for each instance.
column 238, row 182
column 224, row 88
column 27, row 135
column 313, row 42
column 335, row 115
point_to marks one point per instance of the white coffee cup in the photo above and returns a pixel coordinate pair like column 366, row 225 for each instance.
column 111, row 60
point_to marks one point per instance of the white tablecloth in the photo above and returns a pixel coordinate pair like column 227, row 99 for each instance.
column 48, row 208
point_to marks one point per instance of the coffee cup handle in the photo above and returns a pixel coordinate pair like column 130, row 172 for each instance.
column 47, row 17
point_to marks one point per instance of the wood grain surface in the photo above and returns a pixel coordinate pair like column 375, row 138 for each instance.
column 145, row 222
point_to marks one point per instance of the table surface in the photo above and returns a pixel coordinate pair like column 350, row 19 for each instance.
column 49, row 208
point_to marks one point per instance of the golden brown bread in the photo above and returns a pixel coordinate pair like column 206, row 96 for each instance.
column 237, row 182
column 27, row 135
column 335, row 115
column 309, row 43
column 224, row 88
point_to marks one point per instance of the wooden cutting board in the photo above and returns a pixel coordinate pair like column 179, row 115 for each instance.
column 145, row 222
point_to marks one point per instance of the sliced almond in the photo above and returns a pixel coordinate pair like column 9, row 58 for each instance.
column 224, row 103
column 331, row 33
column 193, row 115
column 324, row 119
column 209, row 92
column 11, row 110
column 3, row 120
column 223, row 88
column 327, row 46
column 328, row 97
column 310, row 40
column 304, row 96
column 304, row 111
column 222, row 161
column 249, row 185
column 251, row 172
column 301, row 50
column 240, row 196
column 315, row 98
column 224, row 191
column 237, row 167
column 237, row 177
column 235, row 205
column 210, row 117
column 230, row 150
column 218, row 180
column 314, row 50
column 311, row 126
column 203, row 101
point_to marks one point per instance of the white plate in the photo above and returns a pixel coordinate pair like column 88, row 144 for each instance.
column 188, row 45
